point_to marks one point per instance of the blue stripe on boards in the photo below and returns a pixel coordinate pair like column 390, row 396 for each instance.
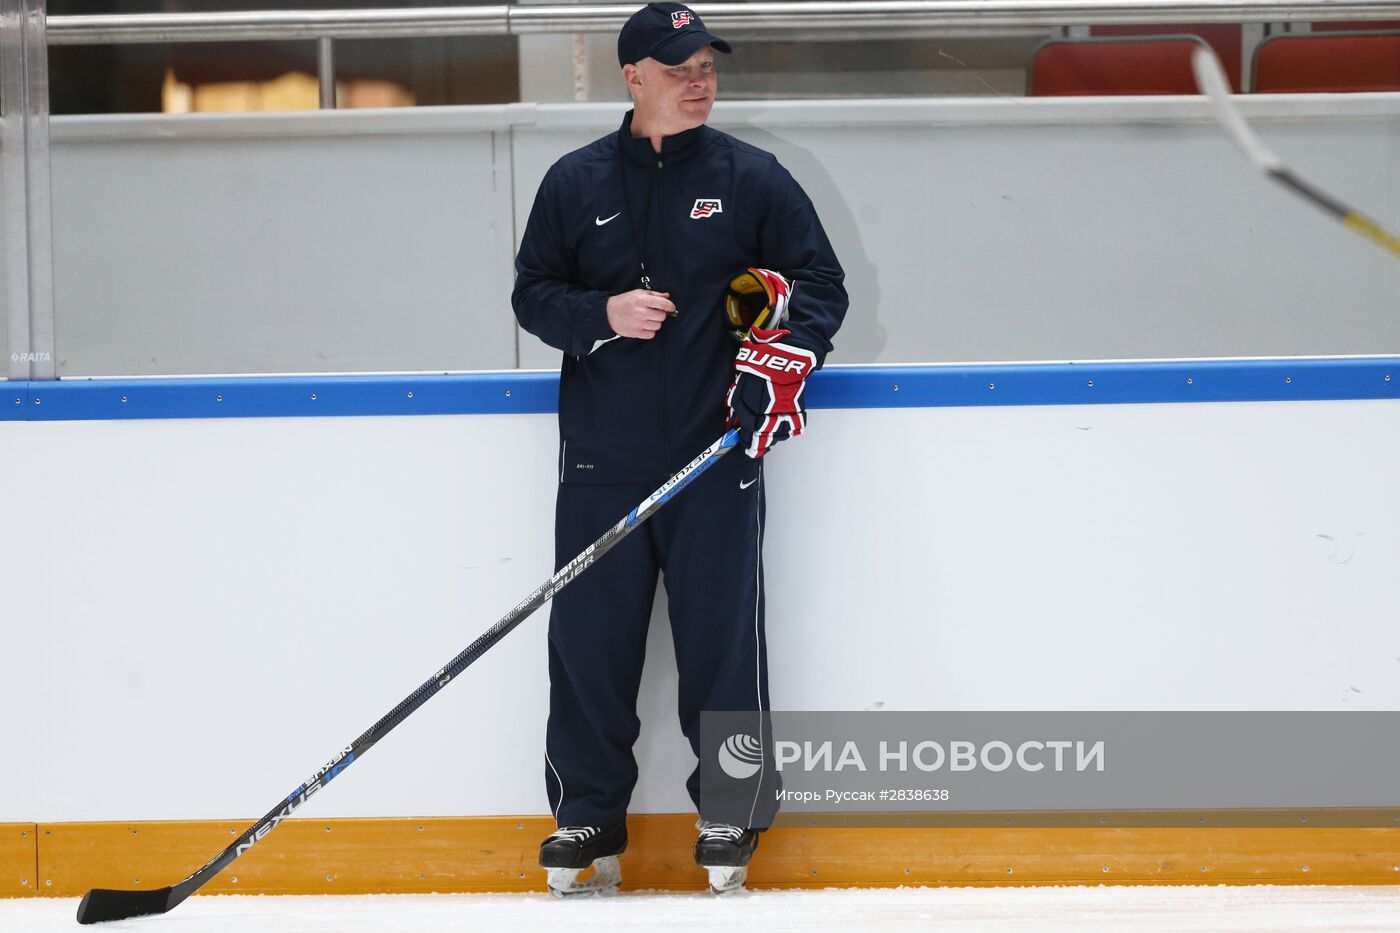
column 1106, row 383
column 1220, row 380
column 280, row 396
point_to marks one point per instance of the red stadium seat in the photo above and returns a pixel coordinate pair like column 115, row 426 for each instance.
column 1364, row 26
column 1091, row 67
column 1330, row 63
column 1227, row 39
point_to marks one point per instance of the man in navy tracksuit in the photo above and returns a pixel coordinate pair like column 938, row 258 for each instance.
column 625, row 265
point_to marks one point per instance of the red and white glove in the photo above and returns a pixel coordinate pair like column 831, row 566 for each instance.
column 756, row 298
column 765, row 399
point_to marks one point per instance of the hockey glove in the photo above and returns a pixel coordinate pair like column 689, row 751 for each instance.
column 765, row 399
column 756, row 298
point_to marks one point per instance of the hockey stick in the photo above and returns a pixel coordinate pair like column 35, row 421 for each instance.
column 1211, row 80
column 100, row 904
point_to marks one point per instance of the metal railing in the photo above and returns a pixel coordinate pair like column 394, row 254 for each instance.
column 870, row 19
column 856, row 18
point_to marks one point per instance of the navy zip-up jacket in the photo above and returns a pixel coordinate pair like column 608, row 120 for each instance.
column 700, row 211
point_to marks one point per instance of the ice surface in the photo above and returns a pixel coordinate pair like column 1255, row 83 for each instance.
column 1024, row 910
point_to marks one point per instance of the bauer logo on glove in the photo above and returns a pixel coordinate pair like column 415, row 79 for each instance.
column 752, row 359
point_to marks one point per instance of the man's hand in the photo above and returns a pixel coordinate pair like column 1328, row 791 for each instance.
column 765, row 400
column 639, row 313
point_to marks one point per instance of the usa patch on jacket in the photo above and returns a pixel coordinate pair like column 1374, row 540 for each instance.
column 704, row 207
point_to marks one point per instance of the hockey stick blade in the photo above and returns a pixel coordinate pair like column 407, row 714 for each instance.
column 101, row 904
column 1210, row 78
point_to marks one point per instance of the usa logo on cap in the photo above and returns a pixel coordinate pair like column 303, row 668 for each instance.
column 680, row 18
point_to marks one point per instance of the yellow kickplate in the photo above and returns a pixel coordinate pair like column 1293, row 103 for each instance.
column 17, row 859
column 448, row 854
column 300, row 856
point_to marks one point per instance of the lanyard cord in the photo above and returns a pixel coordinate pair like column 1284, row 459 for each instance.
column 638, row 236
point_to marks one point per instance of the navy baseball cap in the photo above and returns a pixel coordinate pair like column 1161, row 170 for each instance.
column 667, row 32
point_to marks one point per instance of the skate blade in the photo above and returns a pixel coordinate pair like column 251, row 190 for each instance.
column 607, row 874
column 727, row 880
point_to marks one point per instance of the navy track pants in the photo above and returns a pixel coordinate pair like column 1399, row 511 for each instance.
column 707, row 542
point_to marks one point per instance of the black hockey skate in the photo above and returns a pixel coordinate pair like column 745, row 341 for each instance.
column 724, row 851
column 570, row 850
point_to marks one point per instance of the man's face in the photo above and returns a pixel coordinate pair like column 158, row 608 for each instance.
column 674, row 98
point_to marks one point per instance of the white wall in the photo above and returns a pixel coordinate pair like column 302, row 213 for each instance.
column 282, row 243
column 970, row 230
column 196, row 614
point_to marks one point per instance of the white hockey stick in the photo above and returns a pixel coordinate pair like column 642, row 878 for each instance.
column 1210, row 78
